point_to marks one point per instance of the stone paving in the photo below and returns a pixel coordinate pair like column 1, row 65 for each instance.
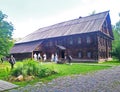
column 107, row 80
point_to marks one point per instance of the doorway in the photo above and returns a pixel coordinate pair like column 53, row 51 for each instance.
column 62, row 53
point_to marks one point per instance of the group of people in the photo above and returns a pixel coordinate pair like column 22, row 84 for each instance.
column 54, row 57
column 39, row 57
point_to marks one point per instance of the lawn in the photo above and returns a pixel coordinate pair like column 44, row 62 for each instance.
column 61, row 69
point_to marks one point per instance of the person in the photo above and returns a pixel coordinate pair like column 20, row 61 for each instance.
column 2, row 60
column 44, row 57
column 69, row 58
column 35, row 56
column 39, row 56
column 56, row 58
column 52, row 57
column 12, row 61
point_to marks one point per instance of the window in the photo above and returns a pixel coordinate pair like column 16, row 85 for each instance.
column 71, row 41
column 80, row 55
column 89, row 54
column 88, row 40
column 46, row 44
column 55, row 42
column 79, row 40
column 59, row 42
column 50, row 43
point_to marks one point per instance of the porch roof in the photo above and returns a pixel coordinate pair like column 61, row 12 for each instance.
column 25, row 47
column 61, row 47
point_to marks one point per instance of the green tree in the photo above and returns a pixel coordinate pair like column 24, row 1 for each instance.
column 117, row 26
column 6, row 30
column 116, row 45
column 116, row 52
column 116, row 42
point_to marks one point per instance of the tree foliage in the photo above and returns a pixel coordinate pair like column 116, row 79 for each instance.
column 116, row 42
column 6, row 30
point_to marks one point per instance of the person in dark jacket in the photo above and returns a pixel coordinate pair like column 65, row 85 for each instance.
column 12, row 61
column 2, row 60
column 69, row 58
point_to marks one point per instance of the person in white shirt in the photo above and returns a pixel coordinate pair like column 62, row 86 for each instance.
column 52, row 57
column 56, row 58
column 35, row 56
column 44, row 57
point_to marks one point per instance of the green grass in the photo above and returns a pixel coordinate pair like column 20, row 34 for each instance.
column 76, row 68
column 112, row 63
column 61, row 69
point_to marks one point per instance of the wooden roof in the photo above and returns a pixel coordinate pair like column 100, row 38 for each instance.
column 87, row 24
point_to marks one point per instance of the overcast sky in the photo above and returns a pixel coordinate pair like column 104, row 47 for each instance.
column 29, row 15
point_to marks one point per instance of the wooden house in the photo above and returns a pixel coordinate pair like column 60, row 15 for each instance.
column 85, row 39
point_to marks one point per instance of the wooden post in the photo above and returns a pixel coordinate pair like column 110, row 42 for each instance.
column 32, row 55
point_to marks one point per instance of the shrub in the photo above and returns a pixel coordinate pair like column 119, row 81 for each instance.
column 31, row 68
column 44, row 72
column 17, row 71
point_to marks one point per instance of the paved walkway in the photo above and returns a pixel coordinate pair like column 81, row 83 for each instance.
column 6, row 85
column 107, row 80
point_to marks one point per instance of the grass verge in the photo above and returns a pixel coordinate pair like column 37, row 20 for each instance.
column 61, row 69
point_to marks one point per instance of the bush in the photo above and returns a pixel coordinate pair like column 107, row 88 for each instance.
column 17, row 71
column 31, row 68
column 44, row 72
